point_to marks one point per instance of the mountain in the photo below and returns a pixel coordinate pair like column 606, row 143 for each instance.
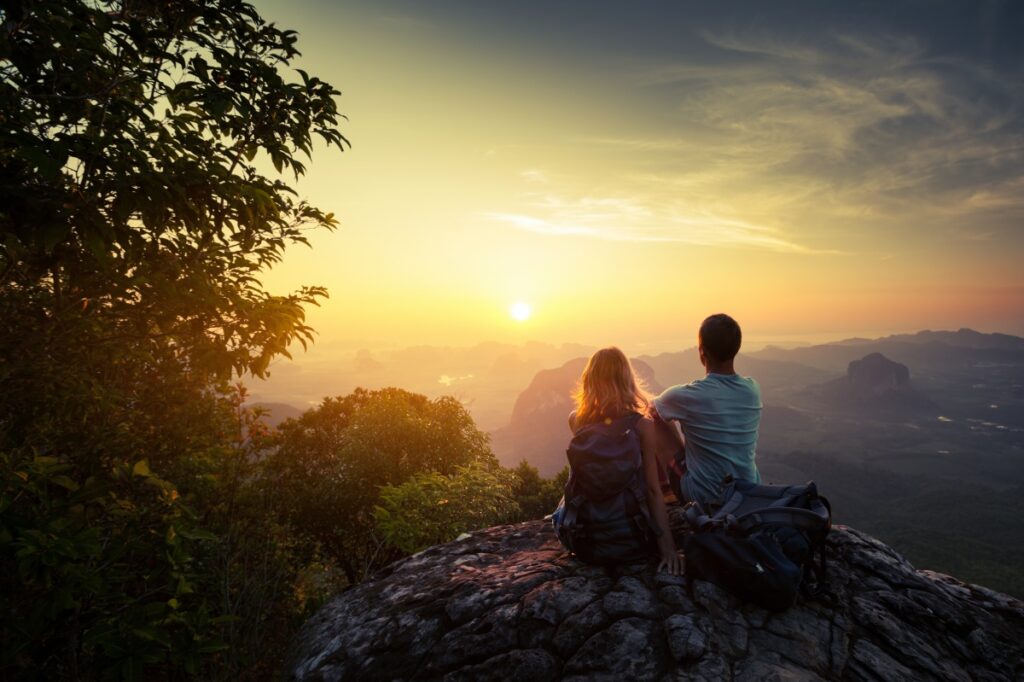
column 486, row 377
column 876, row 374
column 538, row 429
column 508, row 603
column 964, row 338
column 941, row 352
column 921, row 445
column 775, row 376
column 874, row 386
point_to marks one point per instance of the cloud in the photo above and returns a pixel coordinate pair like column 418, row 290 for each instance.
column 764, row 44
column 835, row 127
column 541, row 226
column 534, row 175
column 630, row 220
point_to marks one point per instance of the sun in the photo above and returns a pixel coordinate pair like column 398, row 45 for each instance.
column 520, row 311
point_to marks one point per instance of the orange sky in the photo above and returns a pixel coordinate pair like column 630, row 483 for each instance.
column 812, row 179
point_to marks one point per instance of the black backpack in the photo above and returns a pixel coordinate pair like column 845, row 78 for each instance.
column 761, row 543
column 603, row 517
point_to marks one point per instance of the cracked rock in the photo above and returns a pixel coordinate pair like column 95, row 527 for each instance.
column 508, row 603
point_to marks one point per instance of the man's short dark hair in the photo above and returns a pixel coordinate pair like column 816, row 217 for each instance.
column 721, row 337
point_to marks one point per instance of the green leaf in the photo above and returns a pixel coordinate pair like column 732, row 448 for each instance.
column 64, row 482
column 197, row 534
column 141, row 468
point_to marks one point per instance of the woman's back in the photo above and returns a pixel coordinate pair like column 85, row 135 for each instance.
column 613, row 510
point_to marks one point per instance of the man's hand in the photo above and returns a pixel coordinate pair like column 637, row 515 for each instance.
column 673, row 563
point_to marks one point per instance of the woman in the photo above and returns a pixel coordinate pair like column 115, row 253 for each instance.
column 609, row 390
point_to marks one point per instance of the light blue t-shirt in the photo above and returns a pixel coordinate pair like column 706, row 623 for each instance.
column 719, row 414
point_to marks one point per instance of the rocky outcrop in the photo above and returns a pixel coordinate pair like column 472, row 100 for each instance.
column 874, row 387
column 508, row 603
column 875, row 373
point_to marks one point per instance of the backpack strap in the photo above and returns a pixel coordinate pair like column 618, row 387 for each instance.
column 697, row 518
column 639, row 516
column 730, row 498
column 811, row 521
column 572, row 509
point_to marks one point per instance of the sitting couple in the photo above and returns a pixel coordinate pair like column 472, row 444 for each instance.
column 717, row 419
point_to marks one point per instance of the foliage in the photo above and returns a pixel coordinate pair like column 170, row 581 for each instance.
column 131, row 204
column 537, row 496
column 135, row 218
column 432, row 508
column 99, row 573
column 329, row 464
column 258, row 574
column 122, row 573
column 151, row 525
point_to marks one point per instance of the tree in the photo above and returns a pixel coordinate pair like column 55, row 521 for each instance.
column 135, row 214
column 137, row 211
column 536, row 496
column 330, row 464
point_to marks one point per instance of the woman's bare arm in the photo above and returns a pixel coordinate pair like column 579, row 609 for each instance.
column 671, row 560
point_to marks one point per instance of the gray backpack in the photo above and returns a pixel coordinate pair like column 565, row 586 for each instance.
column 603, row 517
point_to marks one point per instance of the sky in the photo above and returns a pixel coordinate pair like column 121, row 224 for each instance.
column 817, row 170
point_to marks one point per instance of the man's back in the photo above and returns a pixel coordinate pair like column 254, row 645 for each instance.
column 719, row 415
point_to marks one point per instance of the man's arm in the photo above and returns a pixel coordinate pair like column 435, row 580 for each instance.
column 667, row 436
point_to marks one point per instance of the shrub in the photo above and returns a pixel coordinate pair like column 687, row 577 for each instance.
column 431, row 508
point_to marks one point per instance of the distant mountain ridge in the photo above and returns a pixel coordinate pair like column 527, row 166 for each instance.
column 553, row 388
column 844, row 374
column 538, row 428
column 964, row 338
column 922, row 349
column 897, row 431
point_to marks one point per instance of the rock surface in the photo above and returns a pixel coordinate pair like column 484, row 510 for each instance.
column 508, row 603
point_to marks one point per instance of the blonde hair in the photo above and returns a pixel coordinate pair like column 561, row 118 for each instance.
column 608, row 388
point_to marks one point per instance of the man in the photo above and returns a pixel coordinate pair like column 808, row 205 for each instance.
column 719, row 415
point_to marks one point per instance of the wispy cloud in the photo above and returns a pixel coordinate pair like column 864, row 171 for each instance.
column 534, row 175
column 833, row 127
column 629, row 220
column 541, row 226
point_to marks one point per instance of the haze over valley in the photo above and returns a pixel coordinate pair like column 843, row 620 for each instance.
column 916, row 438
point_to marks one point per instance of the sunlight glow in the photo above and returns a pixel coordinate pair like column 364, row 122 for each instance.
column 769, row 173
column 519, row 311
